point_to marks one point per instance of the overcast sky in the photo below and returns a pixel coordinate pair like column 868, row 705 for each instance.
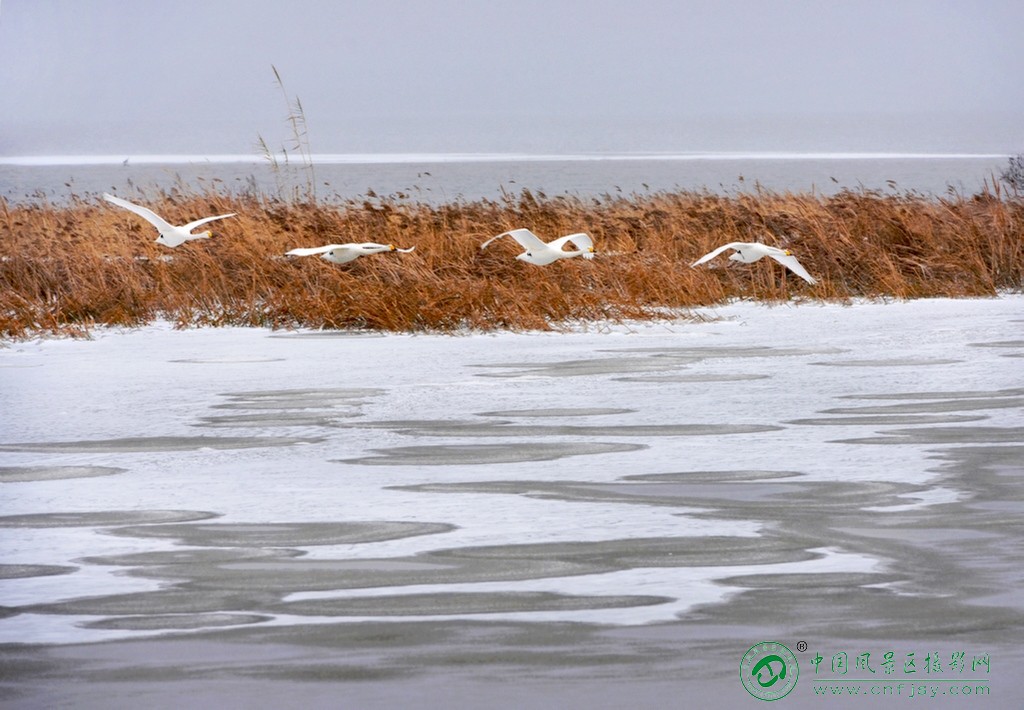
column 76, row 75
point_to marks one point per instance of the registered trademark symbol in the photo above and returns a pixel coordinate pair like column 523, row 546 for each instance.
column 801, row 646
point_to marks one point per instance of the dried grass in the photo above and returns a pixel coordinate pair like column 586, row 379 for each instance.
column 66, row 268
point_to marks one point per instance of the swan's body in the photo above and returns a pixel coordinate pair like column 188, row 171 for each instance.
column 541, row 254
column 749, row 252
column 170, row 236
column 344, row 253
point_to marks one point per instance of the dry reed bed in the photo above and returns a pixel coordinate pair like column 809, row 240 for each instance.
column 66, row 268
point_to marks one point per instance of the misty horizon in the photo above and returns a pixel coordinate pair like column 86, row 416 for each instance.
column 865, row 133
column 540, row 77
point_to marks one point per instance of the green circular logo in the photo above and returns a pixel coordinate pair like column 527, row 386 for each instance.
column 769, row 670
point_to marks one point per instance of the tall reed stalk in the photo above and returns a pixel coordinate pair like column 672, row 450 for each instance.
column 299, row 143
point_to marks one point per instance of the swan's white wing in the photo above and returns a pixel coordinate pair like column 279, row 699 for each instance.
column 192, row 225
column 147, row 214
column 711, row 255
column 582, row 241
column 310, row 251
column 793, row 265
column 527, row 239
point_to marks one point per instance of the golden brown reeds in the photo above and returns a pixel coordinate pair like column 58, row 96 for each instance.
column 66, row 268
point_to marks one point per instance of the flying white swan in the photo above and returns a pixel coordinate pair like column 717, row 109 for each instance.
column 749, row 252
column 541, row 254
column 344, row 253
column 170, row 236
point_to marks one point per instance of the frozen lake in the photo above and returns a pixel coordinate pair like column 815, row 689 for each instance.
column 827, row 473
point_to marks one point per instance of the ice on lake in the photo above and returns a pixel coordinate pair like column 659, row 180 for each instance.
column 157, row 480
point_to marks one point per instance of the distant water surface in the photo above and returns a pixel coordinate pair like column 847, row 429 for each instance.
column 442, row 158
column 436, row 178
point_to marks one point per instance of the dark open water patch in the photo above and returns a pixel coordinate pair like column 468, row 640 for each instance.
column 462, row 603
column 693, row 378
column 23, row 571
column 817, row 580
column 585, row 368
column 888, row 420
column 277, row 419
column 944, row 570
column 889, row 362
column 173, row 600
column 633, row 553
column 714, row 353
column 679, row 495
column 102, row 518
column 557, row 412
column 479, row 454
column 175, row 622
column 999, row 344
column 851, row 607
column 456, row 428
column 191, row 557
column 150, row 444
column 12, row 474
column 944, row 394
column 933, row 406
column 307, row 398
column 637, row 361
column 925, row 408
column 279, row 578
column 296, row 407
column 950, row 571
column 741, row 476
column 259, row 586
column 707, row 498
column 943, row 435
column 285, row 534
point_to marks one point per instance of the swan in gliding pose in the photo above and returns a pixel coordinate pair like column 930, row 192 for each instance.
column 541, row 254
column 749, row 252
column 344, row 253
column 170, row 236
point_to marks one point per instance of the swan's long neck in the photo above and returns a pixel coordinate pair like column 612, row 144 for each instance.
column 585, row 253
